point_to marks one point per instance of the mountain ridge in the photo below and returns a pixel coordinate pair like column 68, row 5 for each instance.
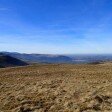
column 55, row 58
column 40, row 58
column 8, row 61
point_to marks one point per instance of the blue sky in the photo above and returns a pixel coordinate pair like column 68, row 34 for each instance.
column 56, row 26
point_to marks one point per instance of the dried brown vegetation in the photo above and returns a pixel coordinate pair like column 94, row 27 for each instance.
column 56, row 88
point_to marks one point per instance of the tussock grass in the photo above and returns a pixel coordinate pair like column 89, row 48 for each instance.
column 56, row 88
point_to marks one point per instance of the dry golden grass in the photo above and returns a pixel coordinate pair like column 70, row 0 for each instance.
column 56, row 88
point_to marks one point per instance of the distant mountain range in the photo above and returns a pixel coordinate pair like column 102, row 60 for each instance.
column 39, row 58
column 49, row 58
column 8, row 61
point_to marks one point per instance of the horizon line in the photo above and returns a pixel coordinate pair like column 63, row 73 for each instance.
column 57, row 53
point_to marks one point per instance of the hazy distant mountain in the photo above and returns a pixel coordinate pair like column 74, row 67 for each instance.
column 8, row 61
column 40, row 58
column 44, row 58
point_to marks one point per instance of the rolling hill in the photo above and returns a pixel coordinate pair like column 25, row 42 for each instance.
column 56, row 88
column 40, row 58
column 50, row 58
column 8, row 61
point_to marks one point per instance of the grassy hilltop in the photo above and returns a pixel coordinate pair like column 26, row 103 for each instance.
column 56, row 88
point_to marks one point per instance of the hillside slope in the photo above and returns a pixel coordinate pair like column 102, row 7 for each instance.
column 8, row 61
column 40, row 58
column 56, row 88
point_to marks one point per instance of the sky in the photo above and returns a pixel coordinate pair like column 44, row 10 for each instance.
column 56, row 26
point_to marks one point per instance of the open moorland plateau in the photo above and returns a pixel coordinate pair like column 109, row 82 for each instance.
column 56, row 88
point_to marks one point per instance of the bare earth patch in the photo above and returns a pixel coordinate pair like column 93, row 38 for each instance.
column 56, row 88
